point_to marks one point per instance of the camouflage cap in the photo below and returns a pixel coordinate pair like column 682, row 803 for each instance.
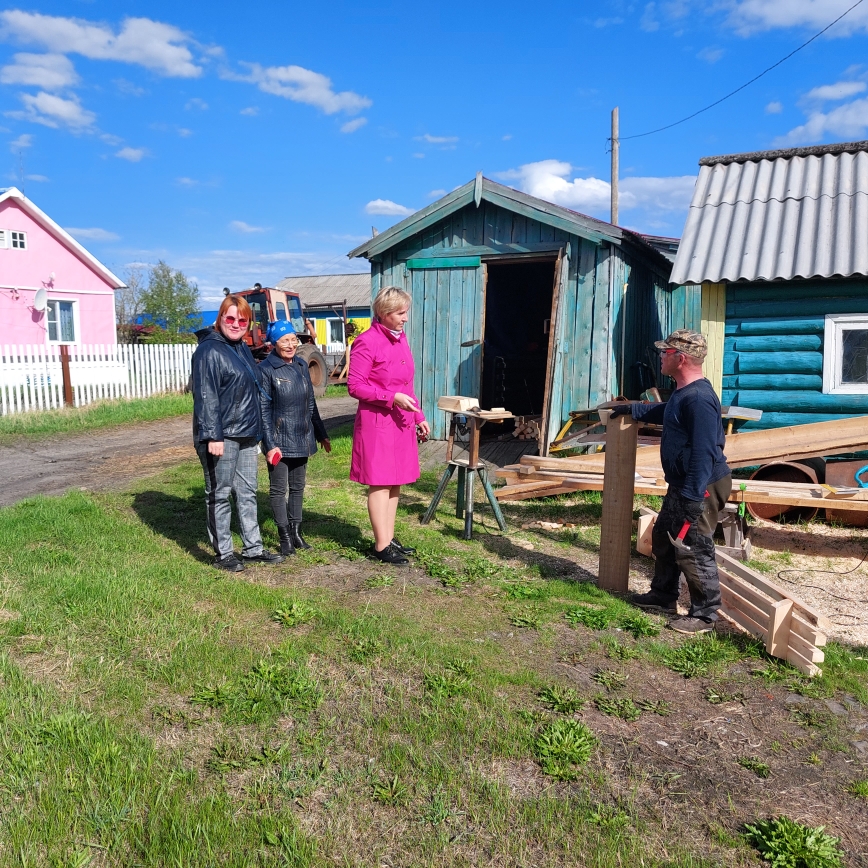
column 690, row 343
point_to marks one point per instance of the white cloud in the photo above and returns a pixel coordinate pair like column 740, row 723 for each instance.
column 302, row 85
column 848, row 121
column 38, row 178
column 184, row 133
column 774, row 108
column 606, row 22
column 649, row 22
column 419, row 156
column 186, row 182
column 196, row 103
column 48, row 71
column 93, row 234
column 753, row 16
column 436, row 194
column 23, row 141
column 550, row 180
column 388, row 207
column 506, row 138
column 109, row 139
column 133, row 155
column 159, row 47
column 437, row 140
column 833, row 92
column 251, row 111
column 246, row 228
column 54, row 111
column 710, row 55
column 353, row 125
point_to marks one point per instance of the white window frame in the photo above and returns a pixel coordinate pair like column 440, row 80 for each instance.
column 332, row 319
column 4, row 239
column 75, row 322
column 836, row 324
column 21, row 236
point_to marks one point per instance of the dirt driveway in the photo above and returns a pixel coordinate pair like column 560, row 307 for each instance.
column 112, row 457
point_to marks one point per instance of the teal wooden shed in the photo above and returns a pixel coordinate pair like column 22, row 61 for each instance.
column 524, row 304
column 776, row 242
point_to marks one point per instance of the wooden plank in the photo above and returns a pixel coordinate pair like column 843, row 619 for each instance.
column 743, row 621
column 743, row 589
column 713, row 320
column 566, row 488
column 778, row 638
column 804, row 649
column 807, row 632
column 805, row 666
column 617, row 520
column 735, row 602
column 553, row 368
column 445, row 262
column 531, row 489
column 647, row 517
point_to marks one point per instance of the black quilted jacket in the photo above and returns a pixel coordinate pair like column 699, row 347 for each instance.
column 290, row 418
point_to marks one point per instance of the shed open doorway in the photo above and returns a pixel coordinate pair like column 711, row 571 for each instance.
column 518, row 322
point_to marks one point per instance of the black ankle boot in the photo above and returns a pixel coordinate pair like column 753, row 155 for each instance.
column 295, row 535
column 286, row 546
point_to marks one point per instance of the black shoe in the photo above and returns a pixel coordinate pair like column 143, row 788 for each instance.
column 264, row 557
column 229, row 563
column 650, row 602
column 286, row 546
column 295, row 535
column 405, row 550
column 390, row 555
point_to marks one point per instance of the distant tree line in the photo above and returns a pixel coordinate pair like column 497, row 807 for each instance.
column 164, row 299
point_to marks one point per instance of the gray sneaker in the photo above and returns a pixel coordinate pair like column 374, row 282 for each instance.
column 650, row 602
column 691, row 626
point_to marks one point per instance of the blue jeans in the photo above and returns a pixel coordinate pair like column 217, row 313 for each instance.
column 232, row 473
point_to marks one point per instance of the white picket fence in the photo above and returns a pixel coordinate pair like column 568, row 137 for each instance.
column 31, row 377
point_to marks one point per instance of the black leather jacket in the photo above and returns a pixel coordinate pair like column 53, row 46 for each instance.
column 225, row 391
column 290, row 420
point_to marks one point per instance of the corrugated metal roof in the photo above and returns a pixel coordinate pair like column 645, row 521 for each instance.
column 789, row 216
column 323, row 289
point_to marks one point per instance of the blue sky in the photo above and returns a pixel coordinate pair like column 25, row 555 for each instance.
column 243, row 143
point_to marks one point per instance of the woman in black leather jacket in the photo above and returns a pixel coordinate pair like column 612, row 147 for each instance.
column 291, row 427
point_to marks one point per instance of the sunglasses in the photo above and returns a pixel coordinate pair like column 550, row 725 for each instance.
column 668, row 351
column 231, row 320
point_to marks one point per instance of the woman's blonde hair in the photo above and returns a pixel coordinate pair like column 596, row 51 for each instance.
column 390, row 298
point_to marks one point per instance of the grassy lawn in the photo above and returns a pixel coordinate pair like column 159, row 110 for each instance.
column 489, row 706
column 77, row 420
column 333, row 391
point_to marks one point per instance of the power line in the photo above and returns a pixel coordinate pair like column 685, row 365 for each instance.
column 747, row 83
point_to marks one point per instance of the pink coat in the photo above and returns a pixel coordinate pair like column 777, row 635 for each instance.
column 385, row 451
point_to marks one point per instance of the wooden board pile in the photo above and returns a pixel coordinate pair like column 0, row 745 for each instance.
column 527, row 427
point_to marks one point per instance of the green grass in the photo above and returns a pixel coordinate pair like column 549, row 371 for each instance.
column 329, row 711
column 333, row 391
column 104, row 414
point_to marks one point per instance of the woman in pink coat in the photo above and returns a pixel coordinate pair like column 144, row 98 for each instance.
column 385, row 454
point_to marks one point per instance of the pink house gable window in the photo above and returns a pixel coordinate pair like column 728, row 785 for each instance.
column 60, row 318
column 19, row 240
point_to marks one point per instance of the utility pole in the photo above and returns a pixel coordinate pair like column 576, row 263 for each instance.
column 616, row 147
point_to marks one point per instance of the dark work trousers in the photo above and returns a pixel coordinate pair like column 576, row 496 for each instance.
column 698, row 564
column 286, row 480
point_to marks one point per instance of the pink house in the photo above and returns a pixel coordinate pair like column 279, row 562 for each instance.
column 77, row 305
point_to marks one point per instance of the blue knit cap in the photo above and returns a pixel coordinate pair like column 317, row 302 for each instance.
column 278, row 329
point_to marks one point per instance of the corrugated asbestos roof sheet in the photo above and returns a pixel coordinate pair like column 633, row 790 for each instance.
column 780, row 218
column 331, row 289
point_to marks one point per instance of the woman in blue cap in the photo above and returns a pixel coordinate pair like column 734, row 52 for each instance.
column 291, row 427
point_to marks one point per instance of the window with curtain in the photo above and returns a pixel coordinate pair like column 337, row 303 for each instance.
column 60, row 319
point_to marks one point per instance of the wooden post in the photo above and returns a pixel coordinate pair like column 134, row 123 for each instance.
column 619, row 472
column 616, row 150
column 67, row 379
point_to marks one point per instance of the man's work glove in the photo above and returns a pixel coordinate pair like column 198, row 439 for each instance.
column 692, row 509
column 625, row 409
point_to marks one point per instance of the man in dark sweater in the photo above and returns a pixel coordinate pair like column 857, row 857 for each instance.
column 695, row 468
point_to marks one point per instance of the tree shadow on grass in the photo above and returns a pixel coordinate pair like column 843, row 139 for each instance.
column 549, row 566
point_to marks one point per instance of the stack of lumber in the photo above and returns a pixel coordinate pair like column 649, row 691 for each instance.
column 790, row 628
column 541, row 476
column 527, row 427
column 537, row 476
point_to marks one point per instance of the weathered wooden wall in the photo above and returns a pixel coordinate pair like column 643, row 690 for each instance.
column 602, row 329
column 773, row 358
